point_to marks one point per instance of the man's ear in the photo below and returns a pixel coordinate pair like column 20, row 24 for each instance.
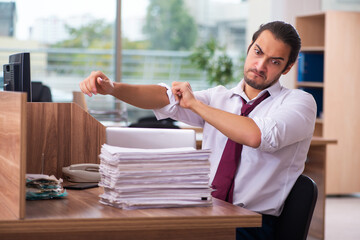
column 287, row 69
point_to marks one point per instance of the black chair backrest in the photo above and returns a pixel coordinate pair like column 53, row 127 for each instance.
column 40, row 92
column 294, row 221
column 152, row 122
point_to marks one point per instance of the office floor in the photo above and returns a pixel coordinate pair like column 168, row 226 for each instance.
column 342, row 217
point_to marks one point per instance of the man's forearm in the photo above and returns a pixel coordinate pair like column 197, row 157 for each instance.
column 142, row 96
column 238, row 128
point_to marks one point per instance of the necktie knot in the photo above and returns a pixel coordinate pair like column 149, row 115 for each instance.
column 247, row 108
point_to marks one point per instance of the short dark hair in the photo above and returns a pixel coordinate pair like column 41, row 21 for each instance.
column 284, row 32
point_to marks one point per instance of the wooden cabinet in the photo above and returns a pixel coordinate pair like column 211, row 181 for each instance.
column 336, row 34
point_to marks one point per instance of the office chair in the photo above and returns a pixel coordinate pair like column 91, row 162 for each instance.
column 294, row 221
column 40, row 92
column 152, row 122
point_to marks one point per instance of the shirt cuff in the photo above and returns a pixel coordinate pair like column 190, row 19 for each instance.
column 170, row 109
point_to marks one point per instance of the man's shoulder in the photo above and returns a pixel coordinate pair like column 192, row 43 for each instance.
column 296, row 96
column 296, row 93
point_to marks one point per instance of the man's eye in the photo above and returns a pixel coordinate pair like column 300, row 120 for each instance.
column 275, row 62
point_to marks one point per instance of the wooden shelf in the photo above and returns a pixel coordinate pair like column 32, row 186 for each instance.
column 312, row 30
column 310, row 84
column 319, row 121
column 313, row 49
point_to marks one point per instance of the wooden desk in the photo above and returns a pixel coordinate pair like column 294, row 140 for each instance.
column 315, row 167
column 81, row 216
column 64, row 134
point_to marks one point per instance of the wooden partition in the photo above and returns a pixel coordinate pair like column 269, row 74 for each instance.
column 41, row 138
column 12, row 155
column 61, row 134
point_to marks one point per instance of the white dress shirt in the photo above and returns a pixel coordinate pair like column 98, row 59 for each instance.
column 266, row 174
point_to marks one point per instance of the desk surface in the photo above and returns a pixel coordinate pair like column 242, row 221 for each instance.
column 81, row 212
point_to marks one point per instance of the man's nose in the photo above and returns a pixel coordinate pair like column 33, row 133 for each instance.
column 261, row 65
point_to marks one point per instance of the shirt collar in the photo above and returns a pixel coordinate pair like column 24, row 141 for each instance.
column 239, row 90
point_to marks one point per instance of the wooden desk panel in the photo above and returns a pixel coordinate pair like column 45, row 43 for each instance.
column 12, row 154
column 81, row 216
column 62, row 134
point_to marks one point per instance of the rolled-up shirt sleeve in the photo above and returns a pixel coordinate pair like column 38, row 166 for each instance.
column 170, row 109
column 291, row 122
column 174, row 111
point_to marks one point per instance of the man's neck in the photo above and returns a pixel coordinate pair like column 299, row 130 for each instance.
column 251, row 92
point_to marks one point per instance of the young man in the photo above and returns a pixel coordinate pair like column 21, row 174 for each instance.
column 274, row 137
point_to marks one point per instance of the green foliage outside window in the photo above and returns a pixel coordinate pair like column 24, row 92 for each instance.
column 219, row 67
column 169, row 26
column 97, row 34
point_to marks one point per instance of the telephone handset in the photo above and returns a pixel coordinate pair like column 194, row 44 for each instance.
column 83, row 172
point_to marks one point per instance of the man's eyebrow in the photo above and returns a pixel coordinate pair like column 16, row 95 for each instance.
column 278, row 58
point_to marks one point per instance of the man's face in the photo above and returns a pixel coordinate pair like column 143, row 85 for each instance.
column 266, row 61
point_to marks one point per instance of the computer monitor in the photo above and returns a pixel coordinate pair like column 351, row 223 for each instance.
column 17, row 74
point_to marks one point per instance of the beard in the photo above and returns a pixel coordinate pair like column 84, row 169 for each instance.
column 262, row 85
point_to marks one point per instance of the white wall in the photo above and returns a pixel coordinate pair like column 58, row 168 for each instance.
column 343, row 5
column 259, row 13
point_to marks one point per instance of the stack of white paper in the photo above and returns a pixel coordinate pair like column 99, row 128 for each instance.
column 144, row 178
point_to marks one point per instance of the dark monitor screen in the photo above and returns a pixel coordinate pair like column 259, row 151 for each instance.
column 17, row 74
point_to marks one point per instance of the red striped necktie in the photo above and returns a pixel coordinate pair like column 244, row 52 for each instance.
column 223, row 182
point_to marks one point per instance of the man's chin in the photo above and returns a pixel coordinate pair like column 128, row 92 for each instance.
column 253, row 84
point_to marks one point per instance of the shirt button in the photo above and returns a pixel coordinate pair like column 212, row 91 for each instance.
column 241, row 205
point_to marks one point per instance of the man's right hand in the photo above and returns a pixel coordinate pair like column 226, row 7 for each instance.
column 97, row 82
column 184, row 94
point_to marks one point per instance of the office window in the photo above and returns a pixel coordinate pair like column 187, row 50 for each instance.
column 66, row 39
column 158, row 36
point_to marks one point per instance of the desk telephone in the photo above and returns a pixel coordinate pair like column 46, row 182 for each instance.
column 83, row 172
